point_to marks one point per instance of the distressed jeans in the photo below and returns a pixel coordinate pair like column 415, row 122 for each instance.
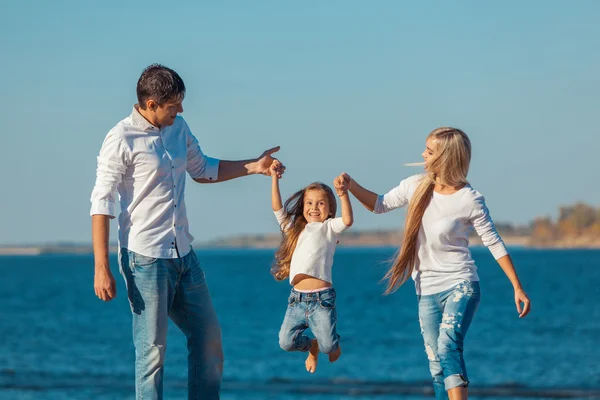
column 159, row 289
column 445, row 318
column 310, row 310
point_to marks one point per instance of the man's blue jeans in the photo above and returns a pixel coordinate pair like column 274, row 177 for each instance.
column 176, row 288
column 445, row 318
column 310, row 310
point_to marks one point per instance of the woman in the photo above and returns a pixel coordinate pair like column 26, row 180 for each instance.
column 442, row 211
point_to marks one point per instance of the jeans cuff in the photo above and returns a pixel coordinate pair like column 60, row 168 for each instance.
column 306, row 347
column 456, row 380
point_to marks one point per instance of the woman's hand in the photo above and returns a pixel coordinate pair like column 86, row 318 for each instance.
column 342, row 184
column 521, row 297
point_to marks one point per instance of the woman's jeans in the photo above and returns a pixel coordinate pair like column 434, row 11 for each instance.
column 159, row 289
column 445, row 318
column 310, row 310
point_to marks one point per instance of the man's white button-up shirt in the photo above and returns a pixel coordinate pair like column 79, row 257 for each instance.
column 146, row 166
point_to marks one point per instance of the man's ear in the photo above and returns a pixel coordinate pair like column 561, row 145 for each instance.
column 151, row 105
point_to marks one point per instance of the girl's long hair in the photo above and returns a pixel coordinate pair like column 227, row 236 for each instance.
column 450, row 168
column 293, row 226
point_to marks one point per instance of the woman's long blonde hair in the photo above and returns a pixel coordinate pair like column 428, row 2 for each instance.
column 450, row 168
column 293, row 225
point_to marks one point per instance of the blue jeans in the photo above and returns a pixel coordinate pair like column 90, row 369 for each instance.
column 310, row 310
column 445, row 318
column 159, row 289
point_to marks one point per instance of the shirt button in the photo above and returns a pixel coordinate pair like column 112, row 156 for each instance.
column 172, row 242
column 175, row 206
column 172, row 166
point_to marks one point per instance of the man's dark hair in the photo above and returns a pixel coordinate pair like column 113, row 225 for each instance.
column 160, row 84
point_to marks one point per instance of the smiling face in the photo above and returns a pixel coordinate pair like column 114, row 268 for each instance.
column 316, row 205
column 161, row 115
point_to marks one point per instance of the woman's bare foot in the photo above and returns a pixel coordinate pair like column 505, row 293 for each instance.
column 335, row 355
column 313, row 356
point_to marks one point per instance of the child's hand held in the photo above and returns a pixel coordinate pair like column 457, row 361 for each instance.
column 276, row 169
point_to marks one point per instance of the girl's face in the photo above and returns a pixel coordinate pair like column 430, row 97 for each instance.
column 316, row 205
column 430, row 152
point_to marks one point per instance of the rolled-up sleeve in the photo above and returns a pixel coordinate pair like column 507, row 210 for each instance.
column 112, row 164
column 199, row 166
column 484, row 226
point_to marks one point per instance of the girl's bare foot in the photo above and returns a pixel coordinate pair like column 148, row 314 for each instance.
column 313, row 356
column 335, row 355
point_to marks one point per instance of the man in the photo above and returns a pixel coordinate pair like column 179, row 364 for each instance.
column 145, row 158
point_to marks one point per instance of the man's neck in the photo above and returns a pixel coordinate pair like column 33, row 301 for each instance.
column 147, row 115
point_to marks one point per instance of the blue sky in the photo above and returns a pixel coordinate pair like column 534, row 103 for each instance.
column 342, row 86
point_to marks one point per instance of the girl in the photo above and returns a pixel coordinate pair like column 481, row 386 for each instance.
column 442, row 210
column 310, row 235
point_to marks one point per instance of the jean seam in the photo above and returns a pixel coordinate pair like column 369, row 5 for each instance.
column 142, row 359
column 193, row 340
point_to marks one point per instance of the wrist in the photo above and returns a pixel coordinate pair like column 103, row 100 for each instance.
column 252, row 167
column 102, row 267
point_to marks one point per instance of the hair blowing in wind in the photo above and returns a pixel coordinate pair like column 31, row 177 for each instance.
column 449, row 168
column 295, row 223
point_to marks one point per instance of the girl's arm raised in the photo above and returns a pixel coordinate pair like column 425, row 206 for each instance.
column 275, row 193
column 366, row 197
column 347, row 214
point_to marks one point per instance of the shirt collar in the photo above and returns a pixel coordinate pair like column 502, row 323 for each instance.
column 140, row 121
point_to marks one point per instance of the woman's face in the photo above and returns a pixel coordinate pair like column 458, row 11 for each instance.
column 430, row 152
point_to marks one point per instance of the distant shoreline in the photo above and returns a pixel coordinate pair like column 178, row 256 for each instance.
column 271, row 241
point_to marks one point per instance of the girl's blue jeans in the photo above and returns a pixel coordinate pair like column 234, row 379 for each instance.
column 310, row 310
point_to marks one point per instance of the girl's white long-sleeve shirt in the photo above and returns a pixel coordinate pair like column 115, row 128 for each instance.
column 313, row 255
column 444, row 259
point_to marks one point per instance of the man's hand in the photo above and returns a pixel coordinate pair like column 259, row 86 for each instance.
column 263, row 164
column 104, row 284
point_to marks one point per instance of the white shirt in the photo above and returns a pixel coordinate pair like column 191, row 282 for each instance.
column 444, row 259
column 146, row 166
column 316, row 245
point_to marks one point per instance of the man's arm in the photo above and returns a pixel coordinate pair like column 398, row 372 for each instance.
column 112, row 164
column 104, row 282
column 231, row 169
column 234, row 169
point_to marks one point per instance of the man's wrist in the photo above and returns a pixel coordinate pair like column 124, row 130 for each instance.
column 252, row 167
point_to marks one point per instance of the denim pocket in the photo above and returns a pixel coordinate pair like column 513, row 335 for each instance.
column 327, row 301
column 141, row 261
column 291, row 300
